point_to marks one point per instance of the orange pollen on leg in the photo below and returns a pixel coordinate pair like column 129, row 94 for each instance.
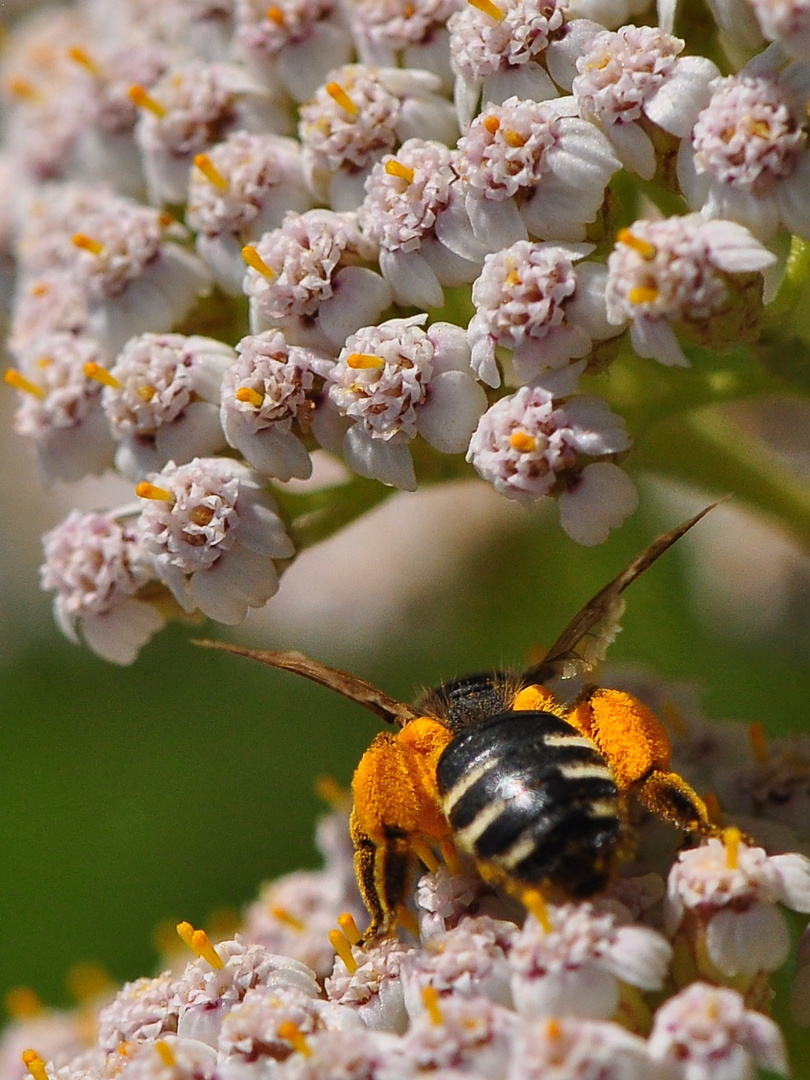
column 35, row 1065
column 275, row 15
column 341, row 98
column 248, row 396
column 138, row 96
column 340, row 943
column 645, row 249
column 145, row 490
column 514, row 138
column 87, row 243
column 759, row 744
column 430, row 996
column 100, row 375
column 256, row 262
column 287, row 918
column 396, row 168
column 18, row 381
column 211, row 173
column 166, row 1053
column 362, row 361
column 732, row 838
column 488, row 8
column 293, row 1034
column 522, row 442
column 83, row 58
column 349, row 927
column 491, row 124
column 642, row 294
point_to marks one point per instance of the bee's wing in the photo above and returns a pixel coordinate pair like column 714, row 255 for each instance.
column 349, row 686
column 586, row 639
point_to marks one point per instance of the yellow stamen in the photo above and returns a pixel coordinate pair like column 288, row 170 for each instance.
column 522, row 442
column 362, row 361
column 202, row 946
column 95, row 371
column 396, row 168
column 407, row 920
column 293, row 1034
column 138, row 96
column 18, row 87
column 451, row 859
column 340, row 943
column 249, row 396
column 732, row 838
column 211, row 172
column 35, row 1065
column 430, row 996
column 15, row 378
column 145, row 490
column 423, row 852
column 758, row 741
column 349, row 927
column 22, row 1002
column 185, row 930
column 275, row 14
column 488, row 8
column 87, row 243
column 328, row 789
column 82, row 57
column 167, row 1055
column 146, row 392
column 514, row 139
column 340, row 97
column 44, row 362
column 287, row 918
column 86, row 981
column 553, row 1029
column 645, row 249
column 491, row 124
column 535, row 902
column 254, row 260
column 643, row 294
column 124, row 1048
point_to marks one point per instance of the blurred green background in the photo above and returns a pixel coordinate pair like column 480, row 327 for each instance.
column 174, row 787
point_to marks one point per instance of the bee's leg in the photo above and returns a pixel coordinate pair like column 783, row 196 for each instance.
column 383, row 872
column 670, row 797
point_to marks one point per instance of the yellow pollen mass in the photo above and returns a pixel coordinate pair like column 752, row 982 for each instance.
column 256, row 262
column 211, row 173
column 35, row 1065
column 732, row 838
column 145, row 490
column 349, row 927
column 341, row 98
column 87, row 243
column 15, row 378
column 642, row 294
column 514, row 138
column 249, row 396
column 430, row 997
column 644, row 248
column 287, row 918
column 95, row 371
column 522, row 442
column 488, row 8
column 364, row 361
column 491, row 124
column 293, row 1034
column 396, row 168
column 275, row 15
column 23, row 1002
column 340, row 943
column 146, row 392
column 138, row 96
column 83, row 58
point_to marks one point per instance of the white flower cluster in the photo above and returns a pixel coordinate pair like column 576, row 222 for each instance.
column 234, row 233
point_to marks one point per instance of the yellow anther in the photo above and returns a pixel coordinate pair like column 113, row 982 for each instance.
column 430, row 996
column 138, row 96
column 15, row 378
column 341, row 98
column 22, row 1002
column 286, row 917
column 643, row 294
column 732, row 838
column 124, row 1048
column 340, row 943
column 44, row 362
column 275, row 15
column 396, row 168
column 491, row 124
column 167, row 1055
column 202, row 515
column 249, row 396
column 600, row 64
column 349, row 927
column 256, row 262
column 535, row 902
column 87, row 243
column 645, row 249
column 87, row 980
column 522, row 442
column 18, row 87
column 35, row 1065
column 147, row 392
column 758, row 741
column 425, row 853
column 451, row 859
column 328, row 789
column 145, row 490
column 82, row 57
column 488, row 8
column 553, row 1029
column 95, row 371
column 514, row 139
column 202, row 946
column 293, row 1034
column 211, row 172
column 185, row 931
column 513, row 278
column 362, row 361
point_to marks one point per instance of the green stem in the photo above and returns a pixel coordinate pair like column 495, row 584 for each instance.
column 317, row 515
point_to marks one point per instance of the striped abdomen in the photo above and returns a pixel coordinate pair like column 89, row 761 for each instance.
column 527, row 794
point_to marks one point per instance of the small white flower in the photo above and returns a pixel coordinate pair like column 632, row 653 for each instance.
column 411, row 32
column 374, row 988
column 473, row 1035
column 144, row 1009
column 786, row 21
column 558, row 1048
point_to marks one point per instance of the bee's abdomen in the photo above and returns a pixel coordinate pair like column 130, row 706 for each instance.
column 526, row 793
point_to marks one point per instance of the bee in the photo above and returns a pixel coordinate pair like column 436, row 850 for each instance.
column 535, row 791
